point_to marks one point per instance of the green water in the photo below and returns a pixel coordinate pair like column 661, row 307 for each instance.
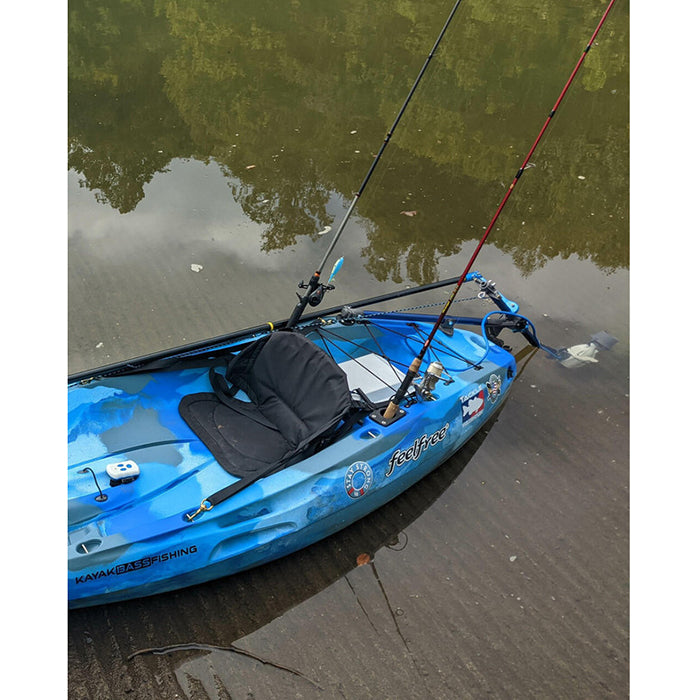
column 228, row 135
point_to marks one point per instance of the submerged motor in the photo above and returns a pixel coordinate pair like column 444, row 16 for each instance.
column 585, row 353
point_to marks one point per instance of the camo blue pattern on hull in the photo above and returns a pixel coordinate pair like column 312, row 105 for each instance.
column 138, row 541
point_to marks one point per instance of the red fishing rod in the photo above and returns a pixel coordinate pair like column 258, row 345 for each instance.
column 414, row 368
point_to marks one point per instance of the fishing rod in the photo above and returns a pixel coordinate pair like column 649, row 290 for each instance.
column 222, row 343
column 391, row 409
column 315, row 289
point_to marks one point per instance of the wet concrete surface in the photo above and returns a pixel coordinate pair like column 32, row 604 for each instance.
column 504, row 573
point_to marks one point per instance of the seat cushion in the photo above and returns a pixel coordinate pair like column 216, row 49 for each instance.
column 293, row 382
column 242, row 441
column 297, row 394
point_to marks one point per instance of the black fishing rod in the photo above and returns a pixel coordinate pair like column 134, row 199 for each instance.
column 391, row 409
column 222, row 343
column 314, row 289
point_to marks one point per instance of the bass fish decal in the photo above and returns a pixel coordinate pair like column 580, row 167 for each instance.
column 473, row 404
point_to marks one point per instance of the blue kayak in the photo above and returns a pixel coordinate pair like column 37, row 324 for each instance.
column 206, row 462
column 212, row 458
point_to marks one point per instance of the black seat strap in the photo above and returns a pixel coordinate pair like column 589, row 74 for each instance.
column 355, row 416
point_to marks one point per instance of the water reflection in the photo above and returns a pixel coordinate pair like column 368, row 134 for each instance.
column 291, row 102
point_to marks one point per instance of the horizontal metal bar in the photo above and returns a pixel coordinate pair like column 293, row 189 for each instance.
column 226, row 339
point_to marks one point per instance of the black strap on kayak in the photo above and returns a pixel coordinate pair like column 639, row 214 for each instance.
column 316, row 412
column 358, row 412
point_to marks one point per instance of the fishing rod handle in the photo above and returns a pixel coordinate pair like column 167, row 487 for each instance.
column 412, row 373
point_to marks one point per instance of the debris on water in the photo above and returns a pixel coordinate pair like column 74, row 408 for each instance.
column 354, row 131
column 363, row 559
column 409, row 213
column 325, row 229
column 513, row 558
column 99, row 345
column 196, row 268
column 581, row 177
column 249, row 167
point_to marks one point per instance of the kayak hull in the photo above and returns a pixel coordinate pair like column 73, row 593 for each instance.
column 134, row 538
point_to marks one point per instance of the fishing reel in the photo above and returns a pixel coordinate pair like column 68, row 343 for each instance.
column 315, row 297
column 318, row 289
column 430, row 379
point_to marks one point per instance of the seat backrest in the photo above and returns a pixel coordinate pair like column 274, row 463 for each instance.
column 296, row 385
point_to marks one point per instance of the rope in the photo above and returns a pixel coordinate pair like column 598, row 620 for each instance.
column 429, row 306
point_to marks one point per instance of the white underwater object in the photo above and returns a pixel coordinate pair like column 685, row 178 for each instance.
column 585, row 353
column 580, row 355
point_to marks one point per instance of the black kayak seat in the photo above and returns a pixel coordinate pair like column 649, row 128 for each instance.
column 298, row 396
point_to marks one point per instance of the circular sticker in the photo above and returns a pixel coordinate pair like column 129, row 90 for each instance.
column 358, row 479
